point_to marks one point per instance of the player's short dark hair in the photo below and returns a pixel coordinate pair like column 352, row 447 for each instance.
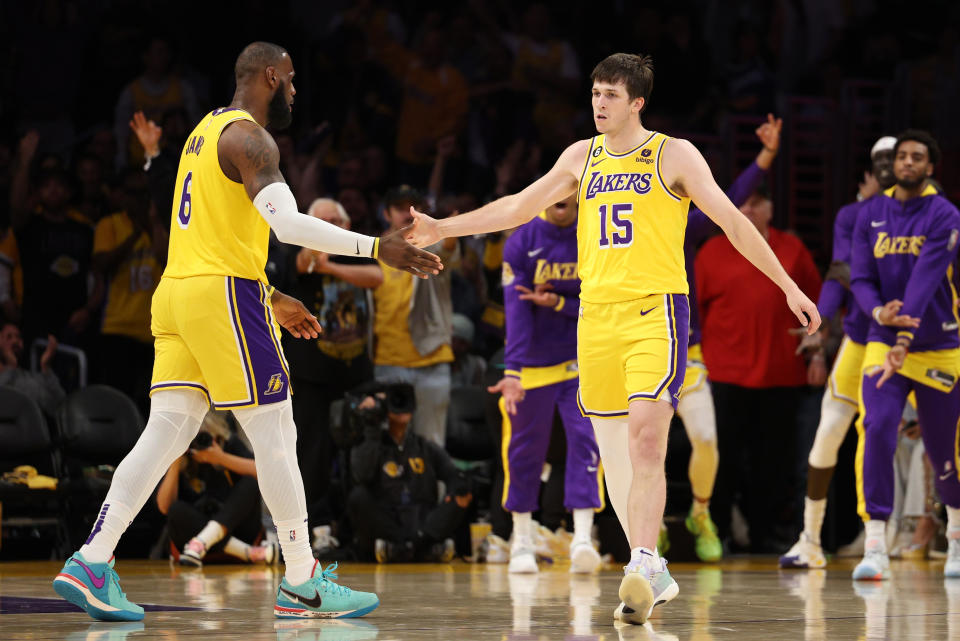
column 256, row 57
column 633, row 70
column 924, row 138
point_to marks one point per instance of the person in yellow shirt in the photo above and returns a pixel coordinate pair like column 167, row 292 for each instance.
column 413, row 325
column 216, row 323
column 634, row 189
column 129, row 251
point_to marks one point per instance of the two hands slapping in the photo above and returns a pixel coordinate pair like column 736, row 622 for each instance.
column 397, row 249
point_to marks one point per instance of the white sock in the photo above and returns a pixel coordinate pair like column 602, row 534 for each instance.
column 876, row 534
column 612, row 442
column 953, row 522
column 273, row 435
column 237, row 548
column 211, row 534
column 110, row 525
column 582, row 524
column 813, row 513
column 297, row 553
column 645, row 558
column 175, row 417
column 522, row 527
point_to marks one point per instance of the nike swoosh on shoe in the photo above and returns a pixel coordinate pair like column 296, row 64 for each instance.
column 97, row 581
column 313, row 602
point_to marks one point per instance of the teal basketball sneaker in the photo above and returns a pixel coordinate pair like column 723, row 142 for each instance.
column 95, row 587
column 320, row 598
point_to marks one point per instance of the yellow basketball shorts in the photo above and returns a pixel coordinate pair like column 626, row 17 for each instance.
column 844, row 381
column 218, row 334
column 696, row 374
column 634, row 350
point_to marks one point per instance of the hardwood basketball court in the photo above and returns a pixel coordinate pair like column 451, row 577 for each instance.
column 739, row 600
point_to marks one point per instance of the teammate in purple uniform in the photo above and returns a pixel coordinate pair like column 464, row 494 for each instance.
column 904, row 248
column 839, row 404
column 541, row 293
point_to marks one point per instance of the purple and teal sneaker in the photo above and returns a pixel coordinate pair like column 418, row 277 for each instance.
column 320, row 598
column 95, row 587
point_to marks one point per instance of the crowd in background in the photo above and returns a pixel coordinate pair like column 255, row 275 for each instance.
column 398, row 104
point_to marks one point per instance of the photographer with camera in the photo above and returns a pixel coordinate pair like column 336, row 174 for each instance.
column 394, row 507
column 211, row 498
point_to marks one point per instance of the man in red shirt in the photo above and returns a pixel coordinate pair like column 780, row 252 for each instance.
column 758, row 379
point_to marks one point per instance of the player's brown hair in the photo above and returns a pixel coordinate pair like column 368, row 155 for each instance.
column 633, row 70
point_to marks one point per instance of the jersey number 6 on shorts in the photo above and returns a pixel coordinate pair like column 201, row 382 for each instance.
column 186, row 208
column 623, row 227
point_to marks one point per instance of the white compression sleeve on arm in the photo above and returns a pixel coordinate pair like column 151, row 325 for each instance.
column 276, row 204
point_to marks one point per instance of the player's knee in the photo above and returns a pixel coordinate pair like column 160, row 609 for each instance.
column 706, row 445
column 647, row 446
column 835, row 418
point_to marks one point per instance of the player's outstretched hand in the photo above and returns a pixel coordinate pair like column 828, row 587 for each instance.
column 891, row 364
column 400, row 254
column 890, row 315
column 512, row 391
column 423, row 232
column 804, row 309
column 294, row 317
column 542, row 296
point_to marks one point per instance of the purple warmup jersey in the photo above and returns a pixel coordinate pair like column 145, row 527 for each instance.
column 905, row 251
column 540, row 252
column 834, row 296
column 699, row 227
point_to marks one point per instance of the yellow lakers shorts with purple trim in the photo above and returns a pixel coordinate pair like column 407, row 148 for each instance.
column 218, row 334
column 634, row 350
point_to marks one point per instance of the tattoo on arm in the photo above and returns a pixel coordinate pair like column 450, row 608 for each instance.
column 257, row 152
column 259, row 161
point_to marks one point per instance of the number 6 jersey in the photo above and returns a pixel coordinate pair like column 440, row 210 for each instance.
column 631, row 226
column 215, row 230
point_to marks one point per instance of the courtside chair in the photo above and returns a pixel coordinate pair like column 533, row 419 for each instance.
column 99, row 425
column 31, row 523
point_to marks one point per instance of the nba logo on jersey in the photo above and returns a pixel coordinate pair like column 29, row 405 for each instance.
column 271, row 208
column 274, row 385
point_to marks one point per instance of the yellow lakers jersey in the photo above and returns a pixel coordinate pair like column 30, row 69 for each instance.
column 630, row 227
column 215, row 229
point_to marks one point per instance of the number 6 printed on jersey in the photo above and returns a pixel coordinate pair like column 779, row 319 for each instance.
column 186, row 208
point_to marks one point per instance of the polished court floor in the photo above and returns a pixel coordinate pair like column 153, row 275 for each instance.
column 740, row 600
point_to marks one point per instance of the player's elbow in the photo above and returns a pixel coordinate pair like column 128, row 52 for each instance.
column 283, row 231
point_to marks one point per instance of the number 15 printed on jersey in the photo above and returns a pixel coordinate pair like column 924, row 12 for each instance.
column 622, row 228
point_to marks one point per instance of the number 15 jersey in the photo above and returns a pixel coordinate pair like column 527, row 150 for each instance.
column 631, row 226
column 215, row 230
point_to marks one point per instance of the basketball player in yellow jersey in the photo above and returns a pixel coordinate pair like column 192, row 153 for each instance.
column 215, row 321
column 635, row 186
